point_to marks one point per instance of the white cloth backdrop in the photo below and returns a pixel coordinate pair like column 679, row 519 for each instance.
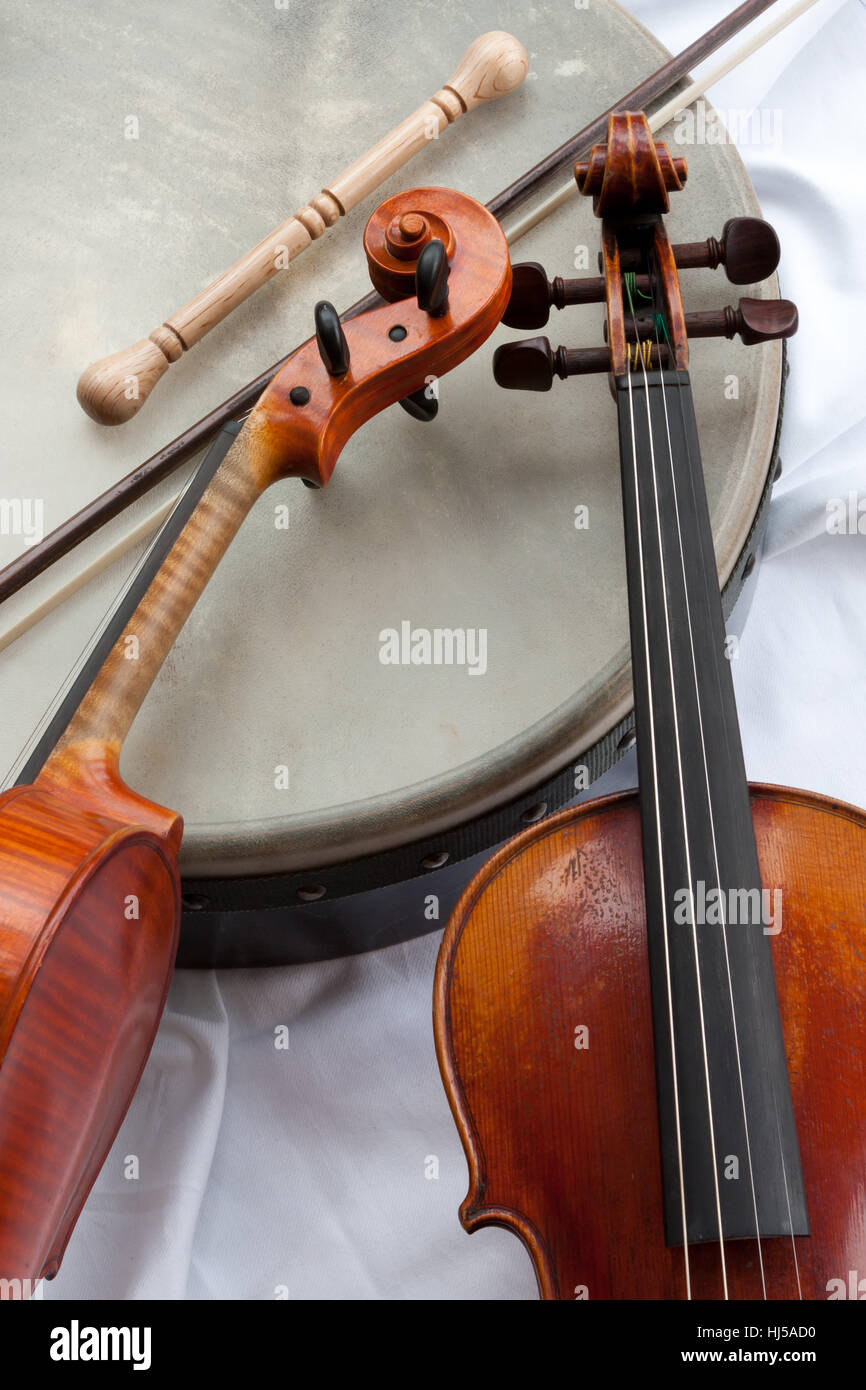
column 305, row 1168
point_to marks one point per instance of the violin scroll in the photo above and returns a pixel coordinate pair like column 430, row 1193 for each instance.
column 396, row 236
column 308, row 412
column 632, row 173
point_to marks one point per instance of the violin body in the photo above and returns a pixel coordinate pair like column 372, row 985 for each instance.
column 89, row 919
column 649, row 1009
column 560, row 1125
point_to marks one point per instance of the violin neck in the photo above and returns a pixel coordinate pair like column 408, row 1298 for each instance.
column 724, row 1094
column 103, row 717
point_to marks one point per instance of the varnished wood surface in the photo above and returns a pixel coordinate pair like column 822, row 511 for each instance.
column 89, row 914
column 628, row 179
column 562, row 1143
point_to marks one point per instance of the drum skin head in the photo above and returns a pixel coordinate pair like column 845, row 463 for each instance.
column 275, row 725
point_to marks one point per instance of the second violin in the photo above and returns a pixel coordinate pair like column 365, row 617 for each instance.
column 649, row 1009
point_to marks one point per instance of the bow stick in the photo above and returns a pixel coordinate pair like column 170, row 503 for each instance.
column 162, row 464
column 115, row 388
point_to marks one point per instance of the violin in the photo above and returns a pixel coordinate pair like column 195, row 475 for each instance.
column 649, row 1008
column 89, row 886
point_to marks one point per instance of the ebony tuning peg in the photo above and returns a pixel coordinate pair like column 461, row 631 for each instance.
column 756, row 321
column 431, row 279
column 331, row 340
column 431, row 288
column 532, row 364
column 421, row 406
column 333, row 348
column 334, row 352
column 532, row 294
column 748, row 249
column 529, row 365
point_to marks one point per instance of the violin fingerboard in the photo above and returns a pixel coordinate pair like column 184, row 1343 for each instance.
column 730, row 1155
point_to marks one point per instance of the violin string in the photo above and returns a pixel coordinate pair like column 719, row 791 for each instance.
column 59, row 695
column 699, row 710
column 89, row 644
column 788, row 1198
column 773, row 1086
column 656, row 799
column 684, row 816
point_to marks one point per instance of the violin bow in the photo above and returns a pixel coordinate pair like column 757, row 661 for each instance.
column 167, row 460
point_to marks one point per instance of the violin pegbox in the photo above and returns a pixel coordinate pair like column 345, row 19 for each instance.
column 630, row 179
column 440, row 261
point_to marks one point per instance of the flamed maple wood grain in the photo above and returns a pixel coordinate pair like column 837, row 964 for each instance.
column 562, row 1144
column 82, row 987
